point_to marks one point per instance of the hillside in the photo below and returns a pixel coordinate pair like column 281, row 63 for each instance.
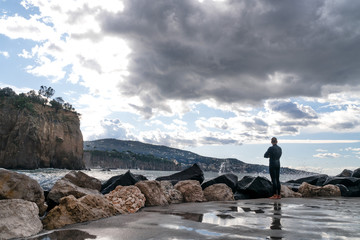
column 185, row 158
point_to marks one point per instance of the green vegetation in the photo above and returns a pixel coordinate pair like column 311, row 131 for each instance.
column 27, row 100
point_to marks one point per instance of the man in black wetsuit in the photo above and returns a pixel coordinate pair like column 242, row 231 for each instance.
column 274, row 153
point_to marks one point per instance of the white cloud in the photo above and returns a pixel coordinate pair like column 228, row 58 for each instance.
column 19, row 27
column 327, row 155
column 321, row 150
column 352, row 149
column 5, row 54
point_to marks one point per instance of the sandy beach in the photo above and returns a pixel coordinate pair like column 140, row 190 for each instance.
column 288, row 218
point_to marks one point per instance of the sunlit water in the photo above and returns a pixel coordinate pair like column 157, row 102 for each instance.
column 48, row 176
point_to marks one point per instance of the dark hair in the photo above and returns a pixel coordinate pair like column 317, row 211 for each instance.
column 274, row 140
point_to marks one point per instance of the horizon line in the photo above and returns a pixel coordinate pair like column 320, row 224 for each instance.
column 307, row 141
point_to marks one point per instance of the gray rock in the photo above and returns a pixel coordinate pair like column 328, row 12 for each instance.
column 317, row 180
column 153, row 193
column 286, row 192
column 345, row 173
column 192, row 173
column 172, row 195
column 83, row 180
column 69, row 185
column 308, row 190
column 219, row 192
column 126, row 199
column 229, row 179
column 254, row 187
column 356, row 173
column 191, row 191
column 19, row 218
column 72, row 210
column 15, row 185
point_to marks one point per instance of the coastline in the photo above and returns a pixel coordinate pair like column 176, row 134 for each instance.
column 288, row 218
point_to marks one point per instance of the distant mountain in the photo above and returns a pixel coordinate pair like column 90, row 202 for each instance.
column 185, row 158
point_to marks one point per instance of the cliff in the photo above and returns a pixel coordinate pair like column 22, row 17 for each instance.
column 34, row 136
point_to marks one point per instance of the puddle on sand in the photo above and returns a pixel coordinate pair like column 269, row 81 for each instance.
column 203, row 232
column 263, row 217
column 72, row 234
column 232, row 217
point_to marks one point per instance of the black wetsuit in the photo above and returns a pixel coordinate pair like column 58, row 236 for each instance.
column 274, row 153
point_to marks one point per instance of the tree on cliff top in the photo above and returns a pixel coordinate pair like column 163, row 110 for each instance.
column 23, row 100
column 47, row 92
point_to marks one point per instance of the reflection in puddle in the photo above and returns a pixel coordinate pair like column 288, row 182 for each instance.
column 275, row 223
column 240, row 216
column 64, row 234
column 199, row 231
column 232, row 217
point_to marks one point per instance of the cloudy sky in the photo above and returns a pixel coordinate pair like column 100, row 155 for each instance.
column 219, row 78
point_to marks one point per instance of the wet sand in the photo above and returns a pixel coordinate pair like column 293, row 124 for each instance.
column 297, row 218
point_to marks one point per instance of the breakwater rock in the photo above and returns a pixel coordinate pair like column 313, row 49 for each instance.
column 19, row 218
column 90, row 204
column 19, row 186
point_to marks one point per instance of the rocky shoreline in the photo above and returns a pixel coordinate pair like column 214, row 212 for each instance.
column 78, row 197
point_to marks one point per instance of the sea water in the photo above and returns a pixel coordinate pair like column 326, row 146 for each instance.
column 47, row 177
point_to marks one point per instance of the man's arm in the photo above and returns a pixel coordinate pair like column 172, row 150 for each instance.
column 267, row 154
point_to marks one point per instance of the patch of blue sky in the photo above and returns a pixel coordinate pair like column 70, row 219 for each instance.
column 13, row 7
column 13, row 67
column 319, row 107
column 208, row 112
column 324, row 136
column 205, row 112
column 64, row 36
column 68, row 91
column 321, row 156
column 131, row 118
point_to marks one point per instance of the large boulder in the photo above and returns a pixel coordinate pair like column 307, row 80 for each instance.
column 308, row 190
column 345, row 173
column 171, row 194
column 255, row 187
column 126, row 199
column 153, row 193
column 191, row 191
column 70, row 184
column 229, row 179
column 19, row 186
column 19, row 219
column 356, row 173
column 219, row 192
column 349, row 186
column 72, row 210
column 317, row 180
column 83, row 180
column 286, row 192
column 192, row 173
column 126, row 179
column 346, row 181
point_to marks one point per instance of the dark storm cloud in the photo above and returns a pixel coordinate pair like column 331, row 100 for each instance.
column 291, row 110
column 186, row 50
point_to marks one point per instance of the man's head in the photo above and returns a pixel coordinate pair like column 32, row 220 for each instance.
column 274, row 141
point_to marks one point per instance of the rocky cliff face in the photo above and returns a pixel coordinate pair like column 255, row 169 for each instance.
column 39, row 137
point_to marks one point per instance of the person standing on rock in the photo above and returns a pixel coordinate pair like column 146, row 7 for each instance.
column 274, row 153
